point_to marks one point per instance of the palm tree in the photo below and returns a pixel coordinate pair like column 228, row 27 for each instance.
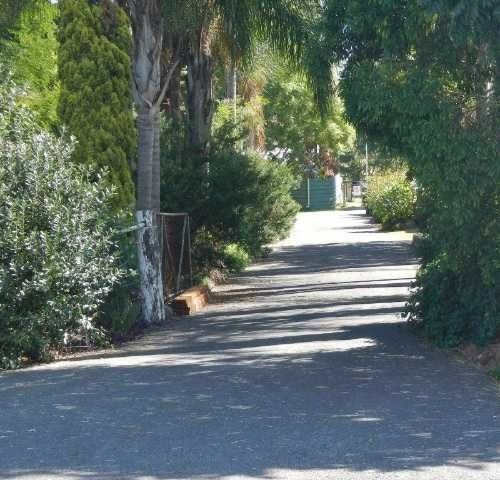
column 166, row 32
column 149, row 91
column 233, row 27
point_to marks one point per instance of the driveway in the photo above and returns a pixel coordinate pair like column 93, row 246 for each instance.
column 301, row 369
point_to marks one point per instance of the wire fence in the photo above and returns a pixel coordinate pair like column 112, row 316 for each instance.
column 174, row 235
column 175, row 245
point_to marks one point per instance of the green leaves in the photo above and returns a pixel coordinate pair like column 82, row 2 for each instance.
column 294, row 126
column 421, row 79
column 95, row 102
column 390, row 198
column 247, row 201
column 28, row 46
column 56, row 255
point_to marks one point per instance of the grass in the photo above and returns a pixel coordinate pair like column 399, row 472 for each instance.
column 495, row 373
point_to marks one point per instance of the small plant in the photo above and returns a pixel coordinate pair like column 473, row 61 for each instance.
column 390, row 198
column 236, row 258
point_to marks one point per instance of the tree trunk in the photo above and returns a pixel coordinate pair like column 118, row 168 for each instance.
column 156, row 173
column 175, row 100
column 231, row 89
column 200, row 94
column 147, row 35
column 149, row 260
column 496, row 88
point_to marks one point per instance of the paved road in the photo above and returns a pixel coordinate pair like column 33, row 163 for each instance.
column 302, row 371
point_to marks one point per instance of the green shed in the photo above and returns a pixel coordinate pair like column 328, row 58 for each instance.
column 316, row 194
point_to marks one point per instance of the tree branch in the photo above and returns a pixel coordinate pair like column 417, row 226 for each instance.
column 166, row 84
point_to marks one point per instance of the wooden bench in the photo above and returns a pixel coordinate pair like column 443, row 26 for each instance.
column 190, row 301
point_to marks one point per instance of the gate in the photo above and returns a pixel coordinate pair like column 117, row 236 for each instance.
column 317, row 194
column 175, row 245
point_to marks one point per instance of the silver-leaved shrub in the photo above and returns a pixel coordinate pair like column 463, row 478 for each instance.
column 57, row 255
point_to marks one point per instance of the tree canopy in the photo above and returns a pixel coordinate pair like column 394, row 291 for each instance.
column 421, row 78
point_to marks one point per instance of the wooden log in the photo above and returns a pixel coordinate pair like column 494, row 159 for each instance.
column 191, row 301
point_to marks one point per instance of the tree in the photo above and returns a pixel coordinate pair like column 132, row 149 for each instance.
column 422, row 79
column 297, row 132
column 28, row 46
column 161, row 39
column 95, row 102
column 9, row 16
column 149, row 92
column 207, row 29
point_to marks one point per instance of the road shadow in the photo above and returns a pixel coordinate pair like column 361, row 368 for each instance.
column 234, row 409
column 304, row 370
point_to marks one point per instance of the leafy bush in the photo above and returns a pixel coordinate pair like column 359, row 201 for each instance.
column 244, row 200
column 249, row 200
column 236, row 258
column 390, row 198
column 121, row 310
column 457, row 294
column 56, row 255
column 430, row 94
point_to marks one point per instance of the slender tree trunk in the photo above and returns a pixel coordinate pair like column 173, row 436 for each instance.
column 147, row 33
column 231, row 88
column 496, row 87
column 175, row 99
column 156, row 173
column 200, row 94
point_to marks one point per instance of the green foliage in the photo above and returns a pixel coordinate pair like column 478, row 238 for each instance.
column 238, row 25
column 294, row 126
column 245, row 200
column 390, row 198
column 422, row 79
column 461, row 247
column 121, row 310
column 226, row 130
column 95, row 102
column 28, row 46
column 353, row 162
column 236, row 258
column 56, row 256
column 495, row 373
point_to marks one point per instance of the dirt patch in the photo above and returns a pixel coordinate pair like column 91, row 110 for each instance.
column 487, row 358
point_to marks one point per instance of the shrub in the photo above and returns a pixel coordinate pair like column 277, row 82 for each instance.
column 249, row 200
column 236, row 258
column 245, row 200
column 56, row 255
column 121, row 310
column 457, row 294
column 390, row 198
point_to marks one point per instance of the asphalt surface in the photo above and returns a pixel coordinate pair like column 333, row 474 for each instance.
column 302, row 369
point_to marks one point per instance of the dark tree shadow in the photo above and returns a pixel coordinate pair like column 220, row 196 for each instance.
column 235, row 408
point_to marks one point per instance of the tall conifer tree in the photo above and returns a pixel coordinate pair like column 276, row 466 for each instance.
column 95, row 102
